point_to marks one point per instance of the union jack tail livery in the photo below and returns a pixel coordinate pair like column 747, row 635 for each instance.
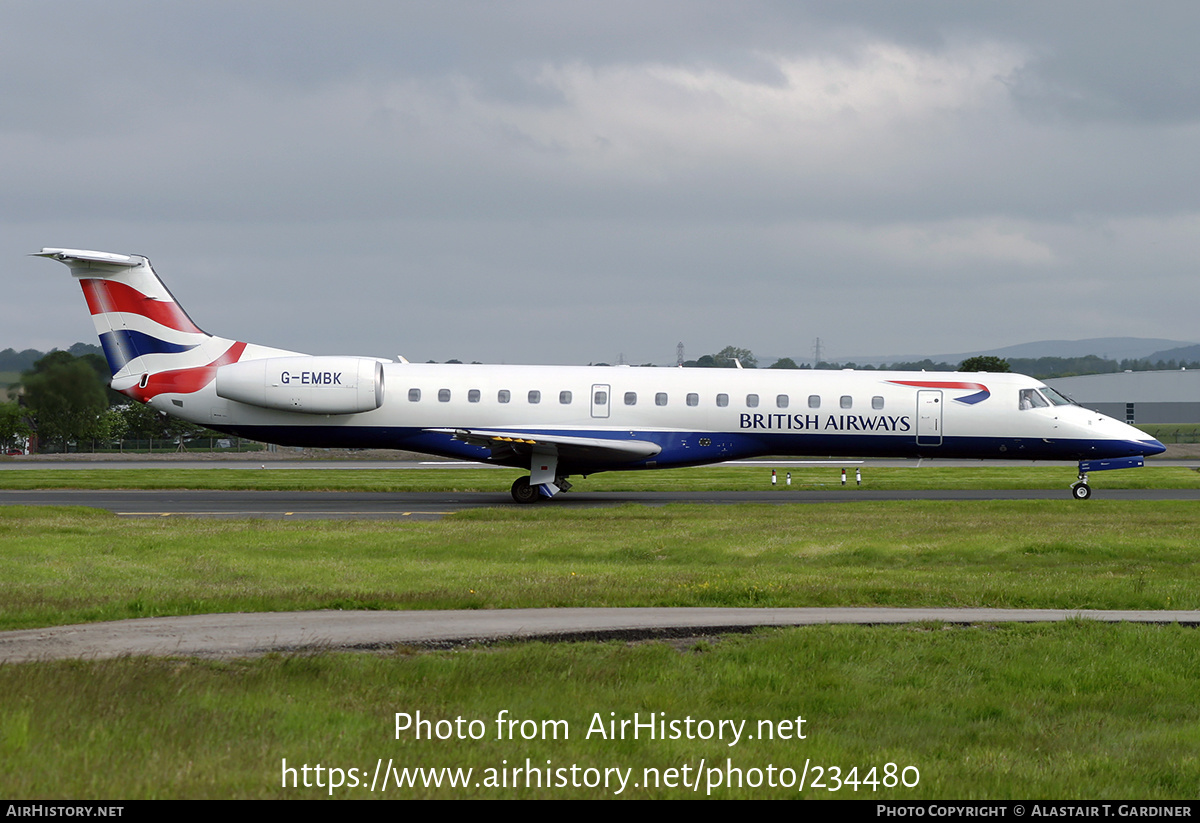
column 151, row 344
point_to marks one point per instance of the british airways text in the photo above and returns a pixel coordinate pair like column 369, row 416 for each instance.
column 830, row 422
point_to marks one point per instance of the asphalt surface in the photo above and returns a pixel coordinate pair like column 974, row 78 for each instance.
column 246, row 635
column 181, row 461
column 433, row 505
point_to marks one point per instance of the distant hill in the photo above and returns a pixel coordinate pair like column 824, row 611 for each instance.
column 1182, row 353
column 1110, row 348
column 13, row 362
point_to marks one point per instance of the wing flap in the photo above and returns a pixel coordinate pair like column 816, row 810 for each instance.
column 508, row 443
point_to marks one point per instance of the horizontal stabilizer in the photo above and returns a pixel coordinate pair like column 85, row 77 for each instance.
column 108, row 258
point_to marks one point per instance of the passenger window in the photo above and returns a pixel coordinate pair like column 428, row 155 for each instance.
column 722, row 400
column 847, row 401
column 814, row 401
column 414, row 395
column 443, row 395
column 601, row 398
column 752, row 401
column 781, row 401
column 660, row 399
column 535, row 396
column 473, row 396
column 877, row 402
column 630, row 398
column 503, row 396
column 693, row 399
column 564, row 397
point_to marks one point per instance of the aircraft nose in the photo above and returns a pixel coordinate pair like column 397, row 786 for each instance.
column 1152, row 446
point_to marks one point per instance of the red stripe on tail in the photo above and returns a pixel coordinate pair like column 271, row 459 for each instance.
column 184, row 381
column 105, row 296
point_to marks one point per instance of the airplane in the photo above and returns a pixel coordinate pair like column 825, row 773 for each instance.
column 563, row 421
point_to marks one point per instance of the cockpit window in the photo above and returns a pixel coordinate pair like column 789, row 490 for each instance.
column 1030, row 399
column 1057, row 398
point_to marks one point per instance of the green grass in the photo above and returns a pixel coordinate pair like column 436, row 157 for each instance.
column 734, row 478
column 1076, row 710
column 75, row 565
column 1173, row 432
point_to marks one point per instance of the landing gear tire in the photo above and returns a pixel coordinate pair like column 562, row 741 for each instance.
column 1081, row 491
column 522, row 492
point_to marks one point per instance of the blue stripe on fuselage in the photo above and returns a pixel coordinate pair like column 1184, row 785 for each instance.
column 685, row 449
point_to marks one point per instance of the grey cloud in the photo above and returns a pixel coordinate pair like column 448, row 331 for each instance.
column 563, row 181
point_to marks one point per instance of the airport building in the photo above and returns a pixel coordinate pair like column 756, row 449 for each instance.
column 1137, row 396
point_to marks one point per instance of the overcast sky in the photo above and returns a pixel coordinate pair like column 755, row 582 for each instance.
column 568, row 182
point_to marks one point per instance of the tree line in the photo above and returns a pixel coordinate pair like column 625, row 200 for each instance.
column 64, row 399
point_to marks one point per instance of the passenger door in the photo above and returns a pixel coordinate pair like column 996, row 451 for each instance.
column 601, row 397
column 929, row 417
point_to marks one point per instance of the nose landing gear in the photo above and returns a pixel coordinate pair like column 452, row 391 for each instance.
column 1081, row 490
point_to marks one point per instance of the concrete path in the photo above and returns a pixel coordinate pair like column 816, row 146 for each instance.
column 242, row 635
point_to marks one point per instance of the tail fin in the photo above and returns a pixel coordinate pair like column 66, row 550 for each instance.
column 151, row 344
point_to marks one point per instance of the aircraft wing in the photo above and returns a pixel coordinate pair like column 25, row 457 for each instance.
column 512, row 443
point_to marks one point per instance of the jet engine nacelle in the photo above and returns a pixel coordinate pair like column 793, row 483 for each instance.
column 311, row 385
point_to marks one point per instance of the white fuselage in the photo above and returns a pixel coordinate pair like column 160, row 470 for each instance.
column 694, row 415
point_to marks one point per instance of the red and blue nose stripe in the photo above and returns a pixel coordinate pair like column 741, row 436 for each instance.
column 981, row 391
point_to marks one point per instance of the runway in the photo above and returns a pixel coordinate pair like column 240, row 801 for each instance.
column 181, row 461
column 247, row 635
column 433, row 505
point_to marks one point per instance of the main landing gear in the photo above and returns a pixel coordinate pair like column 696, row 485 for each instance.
column 1081, row 490
column 543, row 480
column 525, row 492
column 522, row 492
